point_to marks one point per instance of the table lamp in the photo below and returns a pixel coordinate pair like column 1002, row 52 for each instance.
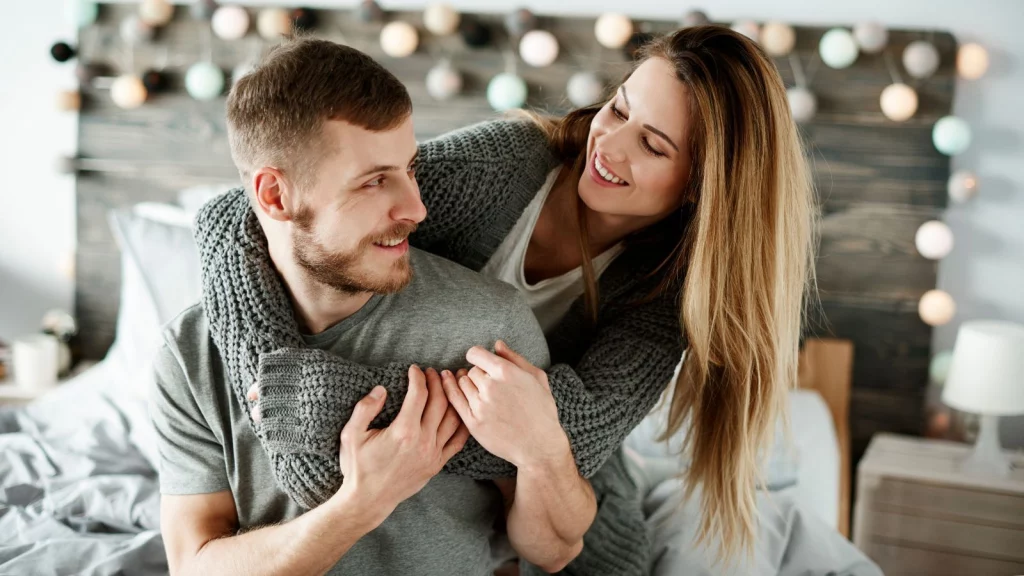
column 986, row 377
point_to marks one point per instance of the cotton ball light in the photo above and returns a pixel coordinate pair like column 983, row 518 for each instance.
column 838, row 49
column 441, row 19
column 938, row 368
column 202, row 9
column 972, row 61
column 899, row 102
column 69, row 100
column 303, row 19
column 936, row 308
column 584, row 89
column 204, row 81
column 274, row 23
column 443, row 82
column 474, row 33
column 230, row 22
column 538, row 48
column 748, row 28
column 399, row 39
column 369, row 11
column 156, row 12
column 128, row 92
column 934, row 240
column 871, row 36
column 962, row 186
column 134, row 29
column 520, row 22
column 778, row 38
column 803, row 104
column 506, row 91
column 613, row 30
column 62, row 52
column 694, row 18
column 83, row 12
column 951, row 135
column 155, row 81
column 921, row 59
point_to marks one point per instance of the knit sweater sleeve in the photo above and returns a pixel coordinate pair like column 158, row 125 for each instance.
column 475, row 183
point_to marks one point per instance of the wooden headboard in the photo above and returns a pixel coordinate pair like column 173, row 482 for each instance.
column 826, row 366
column 877, row 180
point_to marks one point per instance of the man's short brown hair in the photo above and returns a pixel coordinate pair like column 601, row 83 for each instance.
column 276, row 113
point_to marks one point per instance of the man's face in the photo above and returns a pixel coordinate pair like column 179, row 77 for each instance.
column 351, row 230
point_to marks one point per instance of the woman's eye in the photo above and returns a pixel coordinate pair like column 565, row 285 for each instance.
column 650, row 149
column 618, row 113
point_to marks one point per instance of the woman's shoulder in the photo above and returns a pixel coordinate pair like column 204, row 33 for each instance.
column 493, row 140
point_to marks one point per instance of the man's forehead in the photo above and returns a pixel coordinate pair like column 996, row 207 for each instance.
column 365, row 147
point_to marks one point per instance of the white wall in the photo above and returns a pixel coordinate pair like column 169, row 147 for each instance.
column 985, row 272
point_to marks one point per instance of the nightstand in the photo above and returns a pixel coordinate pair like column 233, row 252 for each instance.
column 916, row 513
column 13, row 395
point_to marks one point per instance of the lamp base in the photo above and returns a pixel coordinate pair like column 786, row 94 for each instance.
column 988, row 458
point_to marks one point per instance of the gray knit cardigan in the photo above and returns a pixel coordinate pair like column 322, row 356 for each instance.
column 475, row 183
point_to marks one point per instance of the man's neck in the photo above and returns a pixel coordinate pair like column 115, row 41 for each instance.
column 317, row 307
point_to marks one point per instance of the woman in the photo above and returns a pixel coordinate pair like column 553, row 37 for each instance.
column 679, row 211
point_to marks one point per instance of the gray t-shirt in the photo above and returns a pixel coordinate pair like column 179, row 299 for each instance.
column 206, row 444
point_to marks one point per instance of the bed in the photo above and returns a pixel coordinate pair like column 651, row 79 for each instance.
column 78, row 473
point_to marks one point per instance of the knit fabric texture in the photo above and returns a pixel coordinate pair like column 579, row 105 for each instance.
column 475, row 183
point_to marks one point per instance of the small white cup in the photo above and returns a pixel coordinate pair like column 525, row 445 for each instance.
column 35, row 360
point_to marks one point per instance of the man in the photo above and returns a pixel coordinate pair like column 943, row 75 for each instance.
column 323, row 139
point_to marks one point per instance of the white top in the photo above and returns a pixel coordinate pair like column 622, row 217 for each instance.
column 550, row 299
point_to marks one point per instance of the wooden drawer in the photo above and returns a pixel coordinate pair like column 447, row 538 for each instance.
column 947, row 535
column 899, row 560
column 965, row 504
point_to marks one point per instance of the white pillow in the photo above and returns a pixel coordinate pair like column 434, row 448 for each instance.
column 192, row 199
column 160, row 277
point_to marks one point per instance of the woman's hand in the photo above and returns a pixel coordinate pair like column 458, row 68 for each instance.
column 507, row 405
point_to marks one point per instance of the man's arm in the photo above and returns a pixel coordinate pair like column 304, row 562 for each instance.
column 199, row 536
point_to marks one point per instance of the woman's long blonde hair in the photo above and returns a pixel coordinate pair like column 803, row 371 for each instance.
column 746, row 257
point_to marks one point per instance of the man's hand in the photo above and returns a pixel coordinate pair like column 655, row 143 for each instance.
column 507, row 405
column 385, row 467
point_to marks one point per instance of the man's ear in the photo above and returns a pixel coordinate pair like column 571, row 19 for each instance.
column 274, row 194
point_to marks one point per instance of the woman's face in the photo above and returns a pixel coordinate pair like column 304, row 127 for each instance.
column 638, row 154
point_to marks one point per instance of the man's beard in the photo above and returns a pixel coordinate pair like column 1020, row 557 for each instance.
column 338, row 270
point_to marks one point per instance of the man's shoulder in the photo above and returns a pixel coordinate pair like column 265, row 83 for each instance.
column 434, row 275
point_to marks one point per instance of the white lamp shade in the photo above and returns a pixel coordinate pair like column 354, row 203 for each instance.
column 951, row 135
column 613, row 30
column 972, row 61
column 230, row 22
column 838, row 49
column 748, row 28
column 936, row 308
column 399, row 39
column 987, row 372
column 872, row 37
column 934, row 240
column 538, row 48
column 778, row 38
column 803, row 104
column 963, row 185
column 921, row 59
column 441, row 19
column 899, row 102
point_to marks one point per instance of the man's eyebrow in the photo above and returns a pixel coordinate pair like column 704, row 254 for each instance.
column 387, row 167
